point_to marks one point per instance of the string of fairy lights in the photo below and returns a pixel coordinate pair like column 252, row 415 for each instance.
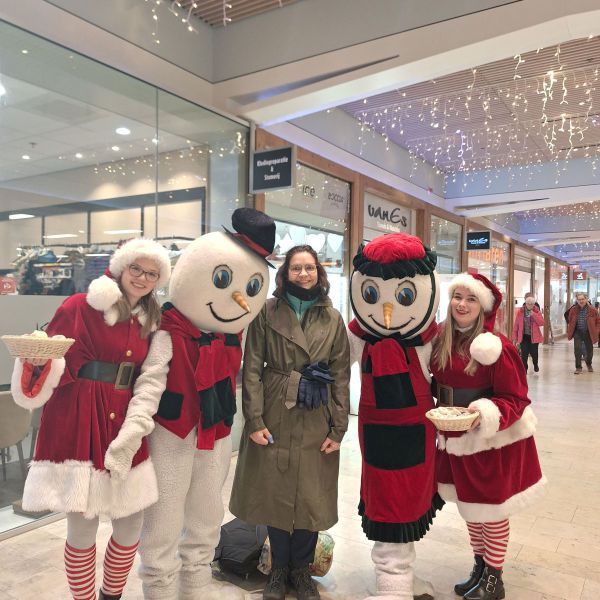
column 495, row 130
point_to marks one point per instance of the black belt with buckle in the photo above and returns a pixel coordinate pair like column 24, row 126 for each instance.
column 449, row 396
column 119, row 374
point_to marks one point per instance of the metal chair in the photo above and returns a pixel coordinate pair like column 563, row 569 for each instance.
column 14, row 427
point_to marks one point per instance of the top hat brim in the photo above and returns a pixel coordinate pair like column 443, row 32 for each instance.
column 250, row 249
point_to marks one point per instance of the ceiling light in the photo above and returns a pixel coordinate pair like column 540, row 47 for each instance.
column 115, row 148
column 78, row 155
column 122, row 130
column 24, row 51
column 16, row 216
column 2, row 90
column 155, row 140
column 25, row 157
column 58, row 236
column 120, row 231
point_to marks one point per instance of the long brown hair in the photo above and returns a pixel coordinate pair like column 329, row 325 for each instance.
column 282, row 274
column 148, row 303
column 450, row 340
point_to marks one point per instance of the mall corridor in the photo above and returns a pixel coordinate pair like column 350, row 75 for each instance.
column 554, row 551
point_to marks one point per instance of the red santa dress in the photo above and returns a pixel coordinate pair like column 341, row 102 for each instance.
column 493, row 471
column 81, row 417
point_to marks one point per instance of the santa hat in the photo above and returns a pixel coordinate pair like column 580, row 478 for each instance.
column 395, row 255
column 486, row 347
column 141, row 248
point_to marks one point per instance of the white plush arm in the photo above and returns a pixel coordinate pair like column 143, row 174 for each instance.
column 30, row 394
column 147, row 392
column 356, row 347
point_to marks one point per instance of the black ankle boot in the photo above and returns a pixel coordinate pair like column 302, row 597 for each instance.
column 304, row 584
column 490, row 586
column 276, row 584
column 103, row 596
column 463, row 587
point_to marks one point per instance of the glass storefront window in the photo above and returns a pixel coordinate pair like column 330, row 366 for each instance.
column 493, row 263
column 91, row 157
column 558, row 297
column 539, row 272
column 315, row 212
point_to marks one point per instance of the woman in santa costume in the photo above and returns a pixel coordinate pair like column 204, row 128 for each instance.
column 88, row 409
column 491, row 471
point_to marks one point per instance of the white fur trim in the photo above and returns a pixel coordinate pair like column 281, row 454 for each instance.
column 475, row 441
column 103, row 293
column 142, row 248
column 356, row 347
column 483, row 293
column 489, row 414
column 486, row 348
column 485, row 513
column 76, row 486
column 57, row 368
column 424, row 354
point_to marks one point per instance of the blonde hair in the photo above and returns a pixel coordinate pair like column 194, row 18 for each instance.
column 451, row 340
column 149, row 305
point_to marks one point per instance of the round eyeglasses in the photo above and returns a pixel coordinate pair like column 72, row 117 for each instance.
column 297, row 269
column 137, row 271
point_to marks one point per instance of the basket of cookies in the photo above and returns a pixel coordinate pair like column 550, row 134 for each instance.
column 451, row 418
column 37, row 345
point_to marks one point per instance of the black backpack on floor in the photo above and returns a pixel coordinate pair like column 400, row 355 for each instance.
column 240, row 546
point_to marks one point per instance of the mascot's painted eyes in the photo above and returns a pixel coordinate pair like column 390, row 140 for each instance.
column 254, row 285
column 370, row 292
column 406, row 293
column 222, row 277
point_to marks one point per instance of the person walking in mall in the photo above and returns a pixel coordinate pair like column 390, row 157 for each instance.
column 583, row 324
column 296, row 403
column 91, row 456
column 527, row 332
column 492, row 470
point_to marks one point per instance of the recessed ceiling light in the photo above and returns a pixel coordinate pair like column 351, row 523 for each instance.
column 116, row 148
column 122, row 130
column 16, row 216
column 58, row 236
column 25, row 157
column 24, row 51
column 120, row 231
column 155, row 140
column 2, row 89
column 78, row 155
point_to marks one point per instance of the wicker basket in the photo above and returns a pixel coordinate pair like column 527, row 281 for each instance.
column 26, row 346
column 461, row 423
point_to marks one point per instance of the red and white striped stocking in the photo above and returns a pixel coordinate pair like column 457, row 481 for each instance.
column 495, row 539
column 118, row 561
column 80, row 567
column 476, row 537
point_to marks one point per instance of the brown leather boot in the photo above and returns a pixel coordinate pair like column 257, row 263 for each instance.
column 463, row 587
column 276, row 584
column 490, row 586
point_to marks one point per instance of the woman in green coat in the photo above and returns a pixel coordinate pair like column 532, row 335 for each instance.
column 288, row 463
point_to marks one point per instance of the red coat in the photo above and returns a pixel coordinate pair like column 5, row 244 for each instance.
column 593, row 321
column 536, row 320
column 82, row 417
column 493, row 471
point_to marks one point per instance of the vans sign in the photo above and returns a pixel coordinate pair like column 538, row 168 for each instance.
column 478, row 240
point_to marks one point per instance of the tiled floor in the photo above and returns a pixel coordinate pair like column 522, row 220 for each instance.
column 554, row 550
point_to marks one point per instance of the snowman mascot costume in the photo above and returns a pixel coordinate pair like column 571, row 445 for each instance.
column 394, row 292
column 217, row 287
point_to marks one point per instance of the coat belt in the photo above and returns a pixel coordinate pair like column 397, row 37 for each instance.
column 449, row 396
column 119, row 374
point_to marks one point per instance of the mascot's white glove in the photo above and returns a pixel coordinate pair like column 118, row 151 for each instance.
column 122, row 449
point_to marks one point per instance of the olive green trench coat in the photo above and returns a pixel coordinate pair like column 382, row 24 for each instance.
column 291, row 484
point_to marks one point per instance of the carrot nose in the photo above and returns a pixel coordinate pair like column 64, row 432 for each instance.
column 388, row 308
column 239, row 298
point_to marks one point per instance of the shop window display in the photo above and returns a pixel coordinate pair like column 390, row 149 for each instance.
column 558, row 297
column 92, row 157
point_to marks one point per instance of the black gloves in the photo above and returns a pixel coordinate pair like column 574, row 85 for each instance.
column 312, row 391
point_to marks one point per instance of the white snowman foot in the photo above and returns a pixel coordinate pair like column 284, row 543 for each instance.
column 422, row 590
column 213, row 591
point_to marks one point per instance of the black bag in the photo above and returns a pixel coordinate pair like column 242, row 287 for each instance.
column 240, row 546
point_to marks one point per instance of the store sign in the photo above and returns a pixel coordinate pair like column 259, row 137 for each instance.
column 385, row 216
column 8, row 285
column 478, row 240
column 272, row 170
column 579, row 275
column 563, row 275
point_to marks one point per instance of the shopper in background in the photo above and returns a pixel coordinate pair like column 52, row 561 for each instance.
column 527, row 332
column 296, row 404
column 583, row 324
column 491, row 471
column 85, row 462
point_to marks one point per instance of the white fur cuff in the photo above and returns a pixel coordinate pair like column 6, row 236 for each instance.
column 57, row 368
column 490, row 416
column 486, row 348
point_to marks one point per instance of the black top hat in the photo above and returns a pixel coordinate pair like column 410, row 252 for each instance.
column 255, row 230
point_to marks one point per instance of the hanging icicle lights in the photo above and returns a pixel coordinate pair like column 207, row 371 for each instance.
column 177, row 10
column 518, row 124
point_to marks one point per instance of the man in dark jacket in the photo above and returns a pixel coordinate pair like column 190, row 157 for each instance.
column 582, row 327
